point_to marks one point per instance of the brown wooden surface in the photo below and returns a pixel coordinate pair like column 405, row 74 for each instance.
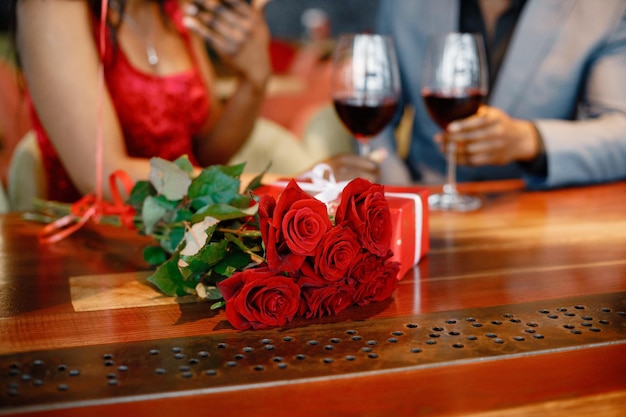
column 521, row 247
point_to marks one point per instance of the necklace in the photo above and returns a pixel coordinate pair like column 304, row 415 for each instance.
column 151, row 52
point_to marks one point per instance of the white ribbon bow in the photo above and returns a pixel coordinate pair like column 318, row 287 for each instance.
column 323, row 185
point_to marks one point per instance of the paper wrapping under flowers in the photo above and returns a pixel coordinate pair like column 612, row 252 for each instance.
column 409, row 219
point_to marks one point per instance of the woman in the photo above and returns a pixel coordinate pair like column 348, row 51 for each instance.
column 159, row 95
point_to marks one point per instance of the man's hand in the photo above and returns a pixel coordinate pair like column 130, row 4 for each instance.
column 492, row 137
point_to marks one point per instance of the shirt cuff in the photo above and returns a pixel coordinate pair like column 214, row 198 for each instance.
column 538, row 166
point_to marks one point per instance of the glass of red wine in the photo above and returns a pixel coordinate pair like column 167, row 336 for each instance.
column 365, row 85
column 454, row 85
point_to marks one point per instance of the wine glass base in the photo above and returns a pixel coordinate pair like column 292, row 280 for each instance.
column 453, row 202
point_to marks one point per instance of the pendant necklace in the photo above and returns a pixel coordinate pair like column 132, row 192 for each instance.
column 151, row 52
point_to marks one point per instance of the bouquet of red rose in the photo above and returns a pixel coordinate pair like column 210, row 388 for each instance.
column 267, row 260
column 314, row 266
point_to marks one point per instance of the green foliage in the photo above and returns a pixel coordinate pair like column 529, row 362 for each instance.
column 206, row 229
column 154, row 255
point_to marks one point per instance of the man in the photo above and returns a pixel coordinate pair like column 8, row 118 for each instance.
column 556, row 112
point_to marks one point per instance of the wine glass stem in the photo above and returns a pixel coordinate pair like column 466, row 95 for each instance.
column 364, row 148
column 450, row 185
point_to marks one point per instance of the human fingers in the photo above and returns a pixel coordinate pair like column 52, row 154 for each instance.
column 483, row 115
column 503, row 142
column 488, row 150
column 260, row 4
column 486, row 124
column 225, row 25
column 348, row 166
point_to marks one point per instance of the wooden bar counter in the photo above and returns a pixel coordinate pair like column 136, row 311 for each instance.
column 518, row 309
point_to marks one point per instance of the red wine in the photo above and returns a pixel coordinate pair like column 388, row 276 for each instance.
column 365, row 120
column 444, row 109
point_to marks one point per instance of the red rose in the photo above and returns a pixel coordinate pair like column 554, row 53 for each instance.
column 379, row 288
column 337, row 251
column 364, row 206
column 367, row 267
column 291, row 227
column 321, row 298
column 308, row 277
column 259, row 298
column 324, row 301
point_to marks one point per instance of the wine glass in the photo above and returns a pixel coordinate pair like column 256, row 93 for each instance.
column 365, row 85
column 454, row 85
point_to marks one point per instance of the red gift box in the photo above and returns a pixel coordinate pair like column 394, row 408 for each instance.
column 409, row 219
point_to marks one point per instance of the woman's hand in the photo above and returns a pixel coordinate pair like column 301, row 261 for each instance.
column 491, row 137
column 348, row 166
column 237, row 32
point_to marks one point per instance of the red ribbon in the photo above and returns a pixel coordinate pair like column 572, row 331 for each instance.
column 92, row 206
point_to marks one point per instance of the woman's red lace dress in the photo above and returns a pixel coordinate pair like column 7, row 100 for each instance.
column 158, row 114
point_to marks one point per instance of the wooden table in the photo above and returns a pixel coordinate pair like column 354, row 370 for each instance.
column 518, row 310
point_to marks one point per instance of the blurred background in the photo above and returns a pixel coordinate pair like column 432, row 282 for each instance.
column 285, row 17
column 303, row 32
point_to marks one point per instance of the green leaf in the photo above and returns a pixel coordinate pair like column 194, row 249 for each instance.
column 208, row 292
column 140, row 192
column 232, row 170
column 182, row 215
column 232, row 263
column 184, row 163
column 154, row 255
column 200, row 263
column 169, row 179
column 243, row 201
column 198, row 235
column 252, row 252
column 151, row 212
column 213, row 186
column 167, row 203
column 224, row 212
column 169, row 280
column 171, row 240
